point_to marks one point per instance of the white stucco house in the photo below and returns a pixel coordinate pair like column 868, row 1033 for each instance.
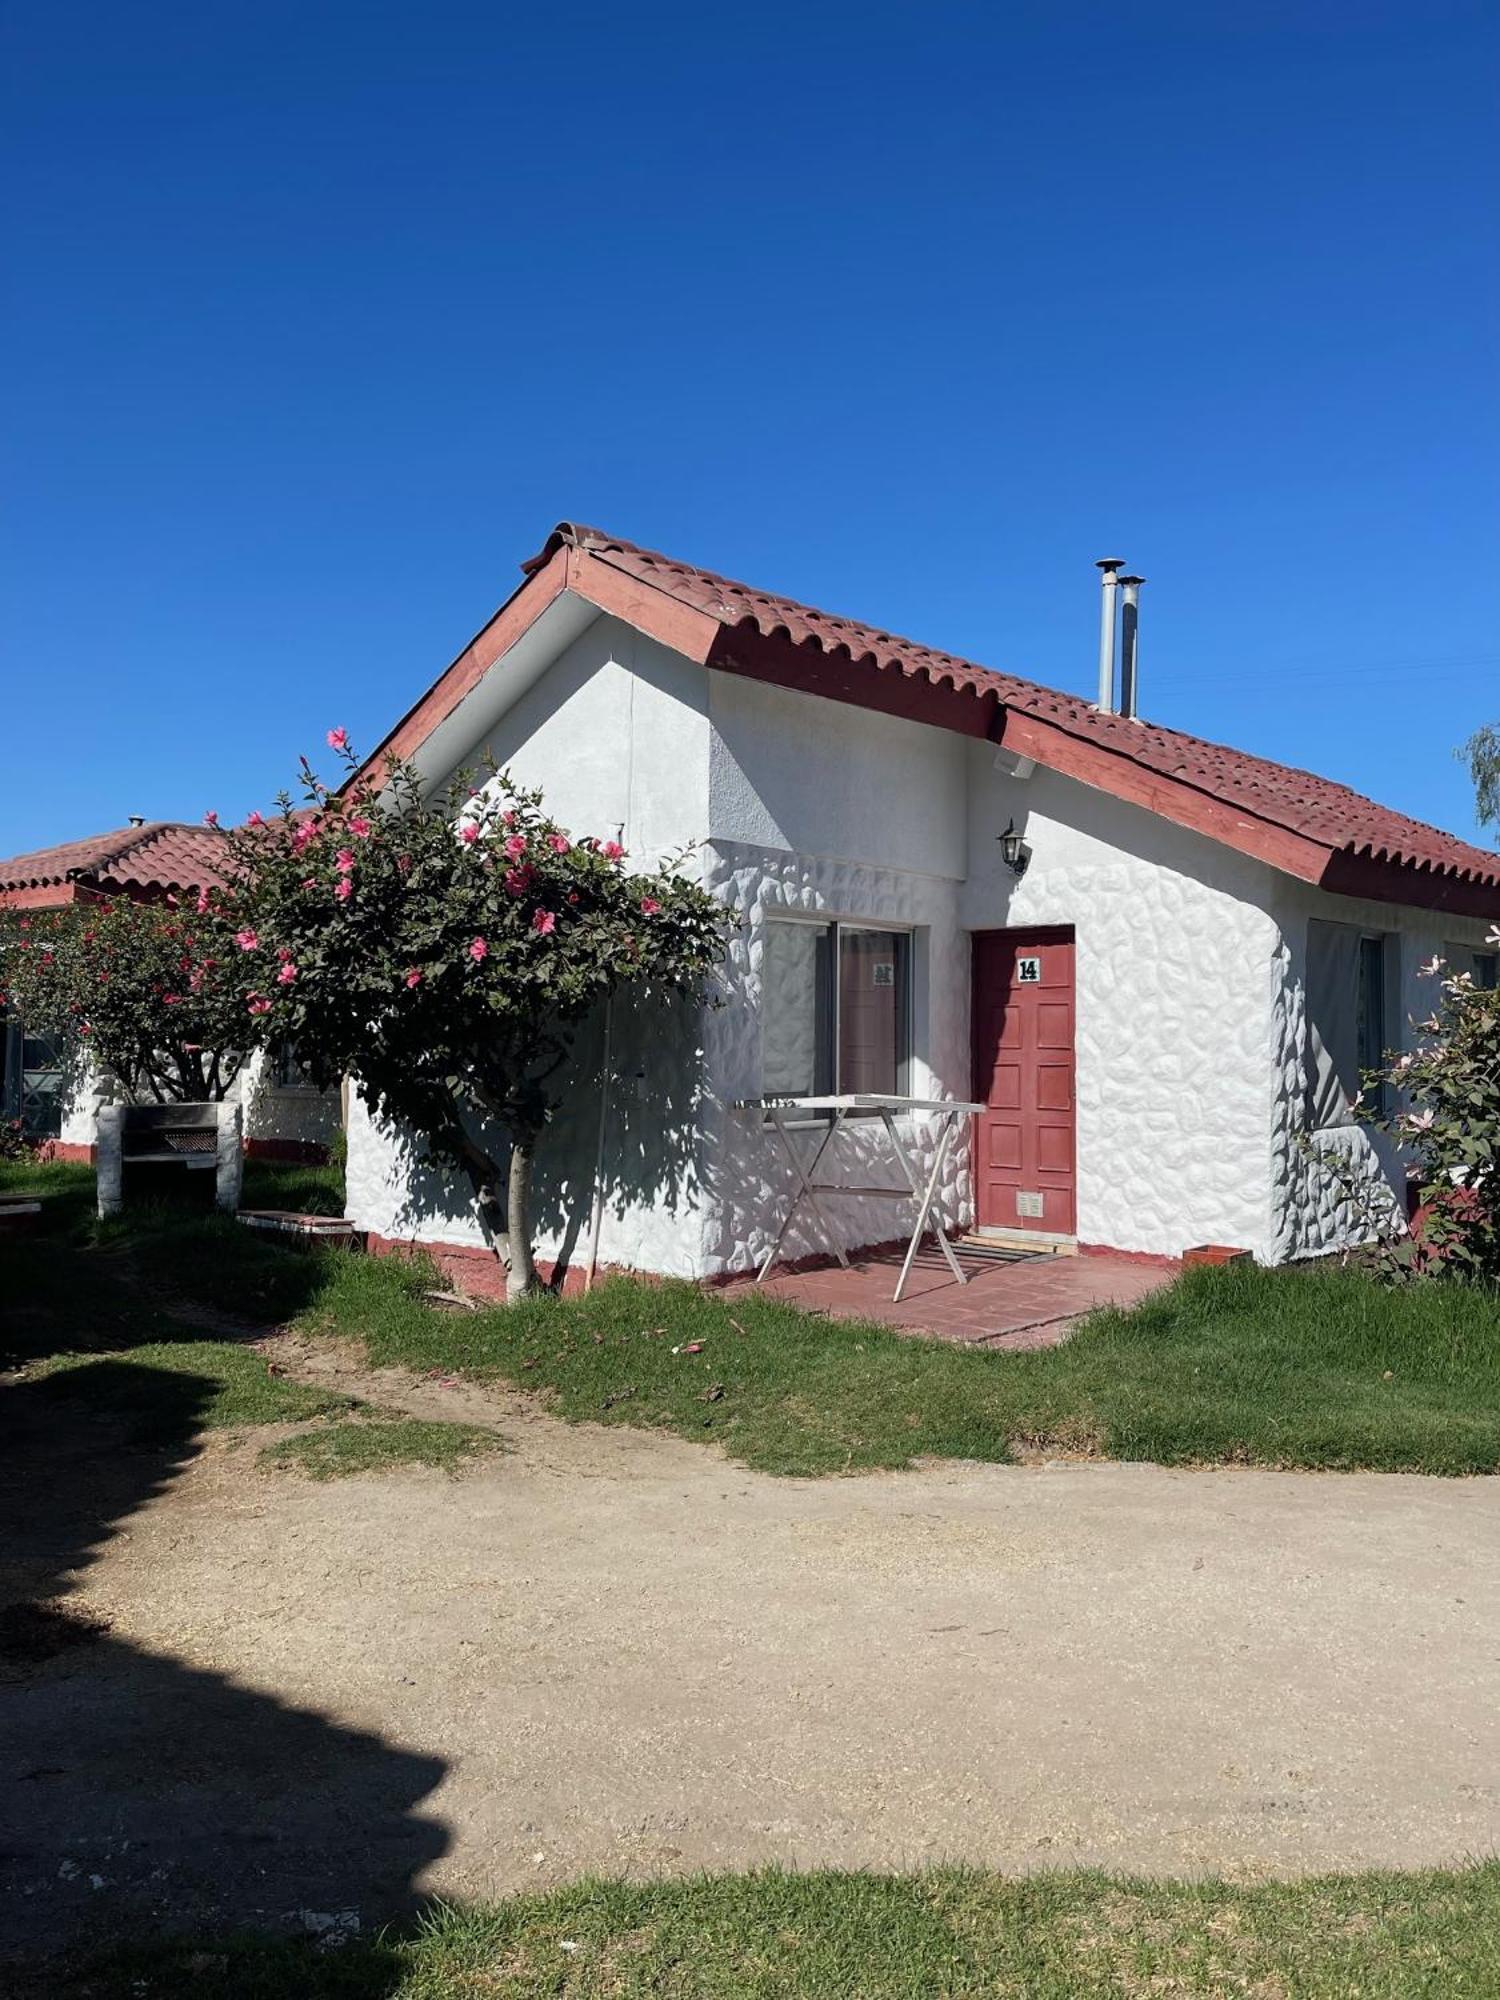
column 1163, row 1016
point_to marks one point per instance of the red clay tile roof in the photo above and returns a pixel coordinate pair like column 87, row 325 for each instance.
column 1278, row 794
column 163, row 855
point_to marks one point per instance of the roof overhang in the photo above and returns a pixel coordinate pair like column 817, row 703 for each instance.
column 567, row 588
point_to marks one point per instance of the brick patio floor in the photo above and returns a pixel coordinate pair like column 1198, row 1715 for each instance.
column 1032, row 1302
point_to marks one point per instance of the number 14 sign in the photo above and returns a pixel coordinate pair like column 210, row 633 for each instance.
column 1029, row 971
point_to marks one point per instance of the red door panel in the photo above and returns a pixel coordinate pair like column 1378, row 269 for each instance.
column 1024, row 1151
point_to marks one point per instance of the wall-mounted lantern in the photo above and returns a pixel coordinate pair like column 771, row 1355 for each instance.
column 1014, row 851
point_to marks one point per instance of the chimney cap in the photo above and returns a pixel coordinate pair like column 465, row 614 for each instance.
column 1110, row 562
column 136, row 819
column 1130, row 579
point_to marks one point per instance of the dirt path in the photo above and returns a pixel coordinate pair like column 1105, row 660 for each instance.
column 616, row 1651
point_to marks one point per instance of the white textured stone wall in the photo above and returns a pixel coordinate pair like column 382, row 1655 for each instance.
column 87, row 1090
column 1175, row 947
column 295, row 1112
column 1334, row 1187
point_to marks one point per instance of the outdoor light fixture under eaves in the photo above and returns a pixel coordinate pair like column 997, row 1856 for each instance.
column 1014, row 851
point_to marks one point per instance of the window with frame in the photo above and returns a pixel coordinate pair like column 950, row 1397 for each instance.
column 1369, row 1012
column 286, row 1072
column 1481, row 966
column 1350, row 987
column 835, row 1009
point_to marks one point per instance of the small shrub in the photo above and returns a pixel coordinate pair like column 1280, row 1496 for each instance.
column 1450, row 1121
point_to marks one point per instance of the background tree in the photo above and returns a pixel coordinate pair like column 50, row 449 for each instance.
column 1482, row 755
column 149, row 990
column 443, row 953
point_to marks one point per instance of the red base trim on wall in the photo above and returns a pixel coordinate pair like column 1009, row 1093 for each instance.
column 478, row 1273
column 292, row 1152
column 1156, row 1258
column 66, row 1149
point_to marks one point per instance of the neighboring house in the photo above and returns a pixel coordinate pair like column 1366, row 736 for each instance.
column 57, row 1100
column 1165, row 1015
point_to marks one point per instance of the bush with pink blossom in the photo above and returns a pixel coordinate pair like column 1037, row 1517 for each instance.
column 1448, row 1088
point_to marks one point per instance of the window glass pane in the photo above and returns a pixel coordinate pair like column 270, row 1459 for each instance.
column 1486, row 965
column 872, row 1011
column 1332, row 991
column 1371, row 1008
column 794, row 1010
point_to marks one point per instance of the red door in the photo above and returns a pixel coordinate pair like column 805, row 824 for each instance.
column 1023, row 1076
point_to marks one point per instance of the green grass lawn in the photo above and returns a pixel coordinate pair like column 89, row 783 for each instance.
column 948, row 1935
column 1318, row 1368
column 375, row 1444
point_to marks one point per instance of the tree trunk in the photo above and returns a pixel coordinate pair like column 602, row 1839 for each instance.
column 520, row 1272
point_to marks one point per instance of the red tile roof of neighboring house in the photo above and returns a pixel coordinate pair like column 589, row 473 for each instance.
column 140, row 860
column 1308, row 826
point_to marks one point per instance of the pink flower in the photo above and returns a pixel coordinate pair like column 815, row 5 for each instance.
column 468, row 833
column 287, row 974
column 307, row 830
column 508, row 817
column 543, row 922
column 84, row 1028
column 612, row 851
column 247, row 939
column 414, row 977
column 210, row 819
column 558, row 842
column 256, row 819
column 518, row 880
column 258, row 1004
column 344, row 860
column 343, row 888
column 479, row 950
column 202, row 905
column 283, row 952
column 170, row 999
column 515, row 846
column 1417, row 1121
column 649, row 906
column 338, row 739
column 359, row 826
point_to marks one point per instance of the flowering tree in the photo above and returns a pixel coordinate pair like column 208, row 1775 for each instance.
column 443, row 953
column 150, row 989
column 1451, row 1123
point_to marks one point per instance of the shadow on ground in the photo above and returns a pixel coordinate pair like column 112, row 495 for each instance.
column 144, row 1796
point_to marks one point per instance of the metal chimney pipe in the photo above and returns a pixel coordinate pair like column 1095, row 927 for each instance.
column 1107, row 568
column 1130, row 599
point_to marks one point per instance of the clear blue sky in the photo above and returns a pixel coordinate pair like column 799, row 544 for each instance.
column 318, row 317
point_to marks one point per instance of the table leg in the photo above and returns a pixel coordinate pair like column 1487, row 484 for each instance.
column 804, row 1190
column 945, row 1130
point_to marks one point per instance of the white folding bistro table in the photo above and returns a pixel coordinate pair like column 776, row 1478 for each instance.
column 782, row 1111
